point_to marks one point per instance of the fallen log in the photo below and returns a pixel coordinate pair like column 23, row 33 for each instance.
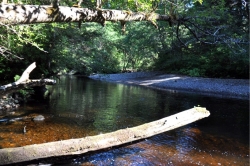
column 98, row 142
column 24, row 81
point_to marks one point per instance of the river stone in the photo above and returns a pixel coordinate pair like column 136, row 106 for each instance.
column 39, row 118
column 7, row 106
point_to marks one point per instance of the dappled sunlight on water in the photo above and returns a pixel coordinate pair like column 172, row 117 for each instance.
column 82, row 107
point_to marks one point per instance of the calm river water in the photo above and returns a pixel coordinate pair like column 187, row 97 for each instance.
column 81, row 107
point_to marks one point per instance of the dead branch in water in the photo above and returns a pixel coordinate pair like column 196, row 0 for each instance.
column 24, row 82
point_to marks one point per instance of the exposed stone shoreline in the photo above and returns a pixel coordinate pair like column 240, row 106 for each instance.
column 8, row 103
column 229, row 88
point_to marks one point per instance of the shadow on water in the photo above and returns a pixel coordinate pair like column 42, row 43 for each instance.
column 81, row 107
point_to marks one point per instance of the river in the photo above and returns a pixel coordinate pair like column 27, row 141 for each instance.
column 80, row 107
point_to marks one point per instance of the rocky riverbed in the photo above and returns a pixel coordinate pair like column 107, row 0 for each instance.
column 8, row 103
column 232, row 88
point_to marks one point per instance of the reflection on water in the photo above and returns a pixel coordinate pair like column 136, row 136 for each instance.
column 81, row 107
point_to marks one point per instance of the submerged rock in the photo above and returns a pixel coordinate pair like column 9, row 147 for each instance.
column 39, row 118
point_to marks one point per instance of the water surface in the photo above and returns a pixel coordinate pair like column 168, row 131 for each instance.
column 81, row 107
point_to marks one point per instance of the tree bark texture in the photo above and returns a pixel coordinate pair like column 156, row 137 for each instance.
column 28, row 14
column 92, row 143
column 24, row 81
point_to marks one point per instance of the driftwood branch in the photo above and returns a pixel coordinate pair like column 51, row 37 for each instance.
column 26, row 73
column 24, row 81
column 93, row 143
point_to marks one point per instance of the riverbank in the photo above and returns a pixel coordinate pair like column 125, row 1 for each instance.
column 229, row 88
column 8, row 103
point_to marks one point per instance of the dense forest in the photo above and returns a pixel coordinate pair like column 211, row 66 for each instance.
column 202, row 38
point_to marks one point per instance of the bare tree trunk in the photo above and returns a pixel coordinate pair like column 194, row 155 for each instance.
column 92, row 143
column 24, row 81
column 28, row 14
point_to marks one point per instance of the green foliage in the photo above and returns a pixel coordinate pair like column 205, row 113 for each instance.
column 206, row 62
column 194, row 72
column 23, row 92
column 223, row 47
column 64, row 47
column 17, row 77
column 200, row 1
column 138, row 5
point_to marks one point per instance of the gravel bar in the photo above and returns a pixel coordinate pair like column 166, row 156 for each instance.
column 230, row 88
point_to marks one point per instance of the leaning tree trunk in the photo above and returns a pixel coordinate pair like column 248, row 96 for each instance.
column 92, row 143
column 24, row 82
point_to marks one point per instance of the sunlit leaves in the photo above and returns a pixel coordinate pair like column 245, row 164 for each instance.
column 133, row 5
column 200, row 1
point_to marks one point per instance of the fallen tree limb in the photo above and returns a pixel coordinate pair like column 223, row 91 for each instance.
column 24, row 81
column 92, row 143
column 29, row 14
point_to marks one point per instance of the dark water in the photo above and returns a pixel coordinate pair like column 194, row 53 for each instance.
column 81, row 107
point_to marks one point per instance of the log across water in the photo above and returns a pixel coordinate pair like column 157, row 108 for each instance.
column 102, row 141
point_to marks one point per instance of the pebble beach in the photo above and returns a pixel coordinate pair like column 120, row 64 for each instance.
column 229, row 88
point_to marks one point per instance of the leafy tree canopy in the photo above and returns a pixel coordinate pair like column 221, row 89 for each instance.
column 198, row 38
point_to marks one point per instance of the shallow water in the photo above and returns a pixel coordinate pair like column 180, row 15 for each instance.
column 81, row 107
